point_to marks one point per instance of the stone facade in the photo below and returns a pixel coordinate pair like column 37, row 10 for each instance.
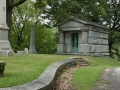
column 82, row 37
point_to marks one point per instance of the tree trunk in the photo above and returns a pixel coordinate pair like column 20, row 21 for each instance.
column 110, row 46
column 10, row 5
column 9, row 20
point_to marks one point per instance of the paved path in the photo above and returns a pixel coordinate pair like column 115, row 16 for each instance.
column 109, row 80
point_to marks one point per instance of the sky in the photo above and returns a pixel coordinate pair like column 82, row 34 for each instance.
column 33, row 0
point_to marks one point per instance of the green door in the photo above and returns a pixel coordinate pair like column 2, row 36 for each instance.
column 74, row 42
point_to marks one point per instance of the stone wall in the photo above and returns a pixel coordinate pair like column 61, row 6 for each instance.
column 94, row 42
column 101, row 36
column 47, row 79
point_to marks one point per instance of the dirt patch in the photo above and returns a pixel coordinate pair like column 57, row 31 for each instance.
column 64, row 81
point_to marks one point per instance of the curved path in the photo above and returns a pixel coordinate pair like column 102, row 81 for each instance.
column 109, row 80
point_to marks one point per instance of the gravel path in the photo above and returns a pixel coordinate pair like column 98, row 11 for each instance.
column 109, row 80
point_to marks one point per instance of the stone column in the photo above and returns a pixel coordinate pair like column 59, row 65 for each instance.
column 79, row 41
column 68, row 42
column 5, row 48
column 80, row 37
column 61, row 44
column 32, row 48
column 3, row 14
column 61, row 37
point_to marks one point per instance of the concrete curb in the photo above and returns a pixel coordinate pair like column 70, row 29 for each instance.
column 47, row 79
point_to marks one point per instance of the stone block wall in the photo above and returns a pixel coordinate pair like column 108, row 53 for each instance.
column 101, row 38
column 97, row 50
column 94, row 45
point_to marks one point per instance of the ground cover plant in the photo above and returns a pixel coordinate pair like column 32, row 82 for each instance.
column 25, row 68
column 85, row 77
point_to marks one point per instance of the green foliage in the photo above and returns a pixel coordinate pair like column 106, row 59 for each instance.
column 46, row 40
column 114, row 41
column 113, row 14
column 21, row 28
column 59, row 10
column 86, row 77
column 41, row 4
column 115, row 52
column 21, row 19
column 113, row 22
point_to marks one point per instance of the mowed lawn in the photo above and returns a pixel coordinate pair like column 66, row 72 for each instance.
column 85, row 77
column 25, row 68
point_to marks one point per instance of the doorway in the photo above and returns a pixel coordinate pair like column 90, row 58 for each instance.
column 74, row 42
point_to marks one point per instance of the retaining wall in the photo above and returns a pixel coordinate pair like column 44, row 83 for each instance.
column 47, row 79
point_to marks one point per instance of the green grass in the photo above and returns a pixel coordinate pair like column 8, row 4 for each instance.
column 25, row 68
column 85, row 77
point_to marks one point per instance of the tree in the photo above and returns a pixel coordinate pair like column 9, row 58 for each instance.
column 22, row 20
column 46, row 40
column 10, row 5
column 113, row 20
column 21, row 25
column 58, row 10
column 114, row 39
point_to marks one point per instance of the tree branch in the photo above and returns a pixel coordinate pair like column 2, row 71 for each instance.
column 18, row 3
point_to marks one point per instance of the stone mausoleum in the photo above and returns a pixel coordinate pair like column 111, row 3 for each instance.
column 77, row 36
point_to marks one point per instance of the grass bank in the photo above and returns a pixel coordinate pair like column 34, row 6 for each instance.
column 85, row 77
column 25, row 68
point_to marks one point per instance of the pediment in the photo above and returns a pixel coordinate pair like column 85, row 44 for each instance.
column 73, row 22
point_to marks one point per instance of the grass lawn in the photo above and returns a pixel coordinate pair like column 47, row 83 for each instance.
column 25, row 68
column 85, row 77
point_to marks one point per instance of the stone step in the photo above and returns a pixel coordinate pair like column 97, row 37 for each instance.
column 82, row 60
column 85, row 65
column 78, row 58
column 85, row 62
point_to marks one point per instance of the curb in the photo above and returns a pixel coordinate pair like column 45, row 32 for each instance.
column 47, row 79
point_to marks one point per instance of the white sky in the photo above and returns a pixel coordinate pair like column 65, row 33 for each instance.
column 33, row 0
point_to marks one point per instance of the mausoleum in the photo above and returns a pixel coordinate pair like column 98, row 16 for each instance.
column 82, row 37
